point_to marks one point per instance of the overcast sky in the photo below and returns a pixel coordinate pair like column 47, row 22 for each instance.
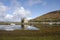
column 14, row 10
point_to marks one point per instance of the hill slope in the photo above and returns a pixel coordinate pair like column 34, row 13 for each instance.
column 51, row 16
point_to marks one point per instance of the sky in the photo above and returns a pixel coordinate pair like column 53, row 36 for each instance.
column 14, row 10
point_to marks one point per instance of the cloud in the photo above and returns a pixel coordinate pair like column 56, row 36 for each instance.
column 9, row 16
column 44, row 3
column 3, row 10
column 17, row 14
column 29, row 18
column 15, row 3
column 21, row 12
column 16, row 11
column 33, row 2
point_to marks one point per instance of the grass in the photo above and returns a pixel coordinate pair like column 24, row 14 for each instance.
column 31, row 38
column 29, row 35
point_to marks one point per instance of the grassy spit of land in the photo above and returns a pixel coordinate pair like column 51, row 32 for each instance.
column 8, row 23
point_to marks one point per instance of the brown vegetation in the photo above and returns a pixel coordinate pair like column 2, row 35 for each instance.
column 51, row 16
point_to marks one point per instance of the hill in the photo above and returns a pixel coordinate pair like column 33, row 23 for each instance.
column 51, row 16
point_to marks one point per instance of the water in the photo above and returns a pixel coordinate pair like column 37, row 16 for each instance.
column 17, row 27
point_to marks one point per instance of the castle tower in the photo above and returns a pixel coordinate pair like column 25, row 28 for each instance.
column 24, row 21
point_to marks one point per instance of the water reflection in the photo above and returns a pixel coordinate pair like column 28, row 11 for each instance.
column 17, row 27
column 27, row 27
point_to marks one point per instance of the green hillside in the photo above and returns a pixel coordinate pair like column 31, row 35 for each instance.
column 51, row 16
